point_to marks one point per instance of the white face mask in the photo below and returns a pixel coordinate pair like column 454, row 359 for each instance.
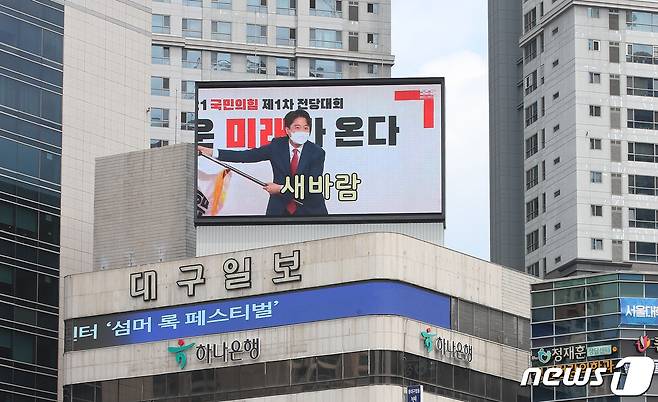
column 299, row 137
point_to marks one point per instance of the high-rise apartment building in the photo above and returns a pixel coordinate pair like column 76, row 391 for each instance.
column 196, row 40
column 590, row 116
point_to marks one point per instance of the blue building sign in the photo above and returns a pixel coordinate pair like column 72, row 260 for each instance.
column 639, row 311
column 377, row 297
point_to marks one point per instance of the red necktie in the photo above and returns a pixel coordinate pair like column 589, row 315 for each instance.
column 292, row 206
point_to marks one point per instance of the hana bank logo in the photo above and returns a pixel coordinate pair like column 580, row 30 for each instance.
column 427, row 338
column 642, row 344
column 181, row 357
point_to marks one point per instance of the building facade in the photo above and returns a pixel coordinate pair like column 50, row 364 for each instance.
column 318, row 320
column 588, row 117
column 214, row 40
column 593, row 321
column 31, row 54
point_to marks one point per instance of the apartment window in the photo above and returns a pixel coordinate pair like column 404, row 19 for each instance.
column 191, row 58
column 642, row 152
column 531, row 177
column 191, row 28
column 594, row 45
column 531, row 146
column 594, row 78
column 640, row 53
column 373, row 8
column 256, row 64
column 160, row 86
column 326, row 8
column 257, row 34
column 615, row 118
column 531, row 209
column 533, row 269
column 541, row 42
column 642, row 251
column 286, row 7
column 159, row 117
column 557, row 226
column 615, row 151
column 643, row 218
column 193, row 3
column 543, row 235
column 352, row 41
column 220, row 30
column 530, row 50
column 641, row 21
column 595, row 111
column 529, row 20
column 556, row 62
column 614, row 85
column 257, row 6
column 159, row 54
column 543, row 202
column 285, row 67
column 615, row 183
column 556, row 193
column 286, row 36
column 160, row 23
column 543, row 138
column 596, row 177
column 326, row 38
column 644, row 185
column 594, row 143
column 325, row 68
column 613, row 19
column 556, row 95
column 531, row 82
column 556, row 128
column 156, row 143
column 541, row 74
column 543, row 170
column 541, row 8
column 531, row 114
column 532, row 241
column 223, row 4
column 220, row 61
column 592, row 12
column 558, row 259
column 187, row 89
column 353, row 13
column 556, row 160
column 597, row 244
column 555, row 31
column 642, row 86
column 187, row 120
column 373, row 69
column 642, row 119
column 597, row 210
column 372, row 38
column 542, row 103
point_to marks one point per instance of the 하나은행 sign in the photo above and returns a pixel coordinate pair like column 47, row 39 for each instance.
column 320, row 151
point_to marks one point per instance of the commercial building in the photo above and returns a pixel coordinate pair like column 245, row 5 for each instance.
column 589, row 119
column 349, row 318
column 593, row 321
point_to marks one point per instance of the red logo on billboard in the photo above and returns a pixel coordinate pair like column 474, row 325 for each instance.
column 427, row 96
column 642, row 344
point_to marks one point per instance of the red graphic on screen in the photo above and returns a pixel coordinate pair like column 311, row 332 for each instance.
column 427, row 96
column 642, row 344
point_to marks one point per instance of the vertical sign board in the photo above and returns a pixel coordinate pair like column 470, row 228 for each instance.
column 365, row 150
column 414, row 393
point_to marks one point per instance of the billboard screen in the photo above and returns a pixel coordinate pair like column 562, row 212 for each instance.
column 320, row 151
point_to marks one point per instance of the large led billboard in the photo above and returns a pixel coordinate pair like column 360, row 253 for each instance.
column 323, row 151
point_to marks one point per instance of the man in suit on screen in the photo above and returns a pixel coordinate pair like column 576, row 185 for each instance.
column 291, row 155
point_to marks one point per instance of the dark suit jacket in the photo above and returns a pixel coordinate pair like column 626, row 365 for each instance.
column 311, row 163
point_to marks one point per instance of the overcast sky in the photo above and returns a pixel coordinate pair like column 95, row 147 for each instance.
column 447, row 38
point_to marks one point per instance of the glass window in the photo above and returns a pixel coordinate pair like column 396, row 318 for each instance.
column 569, row 326
column 160, row 23
column 642, row 251
column 603, row 307
column 651, row 290
column 569, row 295
column 304, row 370
column 258, row 6
column 355, row 364
column 329, row 367
column 542, row 314
column 496, row 325
column 603, row 291
column 23, row 347
column 278, row 373
column 466, row 317
column 251, row 376
column 159, row 117
column 191, row 58
column 187, row 120
column 325, row 68
column 510, row 330
column 187, row 89
column 285, row 36
column 159, row 54
column 602, row 322
column 631, row 289
column 326, row 8
column 160, row 86
column 542, row 299
column 50, row 167
column 286, row 7
column 27, row 222
column 569, row 311
column 481, row 321
column 191, row 28
column 220, row 30
column 220, row 61
column 223, row 4
column 285, row 67
column 326, row 38
column 461, row 379
column 256, row 64
column 48, row 228
column 257, row 34
column 48, row 289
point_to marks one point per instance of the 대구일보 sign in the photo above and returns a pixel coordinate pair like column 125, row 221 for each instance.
column 330, row 150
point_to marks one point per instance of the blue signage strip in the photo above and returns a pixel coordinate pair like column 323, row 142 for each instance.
column 639, row 311
column 376, row 297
